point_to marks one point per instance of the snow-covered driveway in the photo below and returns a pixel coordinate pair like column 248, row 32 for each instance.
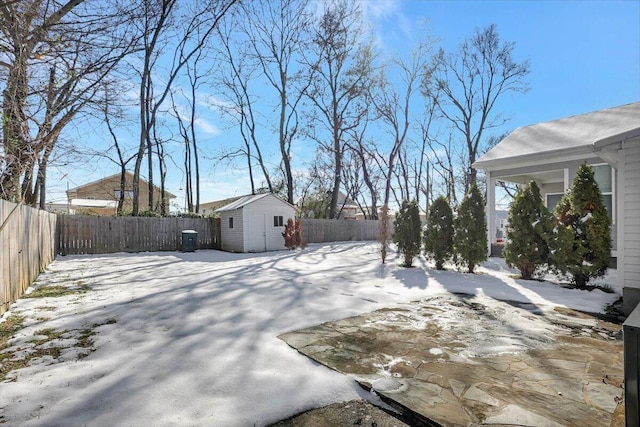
column 189, row 339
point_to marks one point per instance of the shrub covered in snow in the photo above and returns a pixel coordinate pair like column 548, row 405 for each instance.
column 582, row 211
column 470, row 239
column 438, row 235
column 406, row 231
column 529, row 230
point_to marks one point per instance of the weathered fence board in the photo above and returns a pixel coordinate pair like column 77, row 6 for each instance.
column 331, row 230
column 28, row 243
column 81, row 234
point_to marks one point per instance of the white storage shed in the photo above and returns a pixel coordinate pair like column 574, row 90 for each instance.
column 254, row 223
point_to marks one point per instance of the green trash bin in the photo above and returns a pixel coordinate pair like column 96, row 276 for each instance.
column 189, row 240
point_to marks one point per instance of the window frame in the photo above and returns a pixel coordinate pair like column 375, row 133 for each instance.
column 128, row 194
column 611, row 192
column 278, row 221
column 231, row 223
column 546, row 199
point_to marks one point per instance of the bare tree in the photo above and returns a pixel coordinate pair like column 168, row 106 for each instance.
column 236, row 73
column 422, row 165
column 113, row 112
column 162, row 22
column 278, row 36
column 365, row 154
column 343, row 68
column 55, row 56
column 445, row 161
column 313, row 189
column 187, row 129
column 393, row 107
column 468, row 84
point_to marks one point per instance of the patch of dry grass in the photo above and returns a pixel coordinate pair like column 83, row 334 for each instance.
column 58, row 291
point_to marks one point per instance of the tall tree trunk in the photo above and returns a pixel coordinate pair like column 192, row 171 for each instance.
column 15, row 127
column 337, row 172
column 41, row 181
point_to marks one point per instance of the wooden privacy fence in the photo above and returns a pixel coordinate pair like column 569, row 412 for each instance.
column 79, row 234
column 27, row 246
column 30, row 239
column 332, row 230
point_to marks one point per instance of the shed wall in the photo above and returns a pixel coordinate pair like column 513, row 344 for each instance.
column 232, row 239
column 270, row 207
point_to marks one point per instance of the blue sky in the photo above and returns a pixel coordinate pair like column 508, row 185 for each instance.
column 585, row 56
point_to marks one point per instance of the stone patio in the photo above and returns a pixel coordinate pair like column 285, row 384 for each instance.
column 457, row 360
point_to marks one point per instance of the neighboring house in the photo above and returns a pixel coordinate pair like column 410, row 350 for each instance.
column 361, row 216
column 209, row 208
column 551, row 152
column 501, row 221
column 346, row 207
column 108, row 190
column 254, row 223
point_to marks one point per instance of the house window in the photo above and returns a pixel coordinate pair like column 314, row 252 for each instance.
column 552, row 200
column 231, row 222
column 128, row 194
column 604, row 177
column 277, row 221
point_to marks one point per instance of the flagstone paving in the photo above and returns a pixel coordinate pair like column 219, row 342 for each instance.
column 458, row 360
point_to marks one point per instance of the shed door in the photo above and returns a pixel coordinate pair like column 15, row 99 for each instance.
column 256, row 233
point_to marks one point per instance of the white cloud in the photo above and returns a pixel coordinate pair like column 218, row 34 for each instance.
column 387, row 22
column 207, row 127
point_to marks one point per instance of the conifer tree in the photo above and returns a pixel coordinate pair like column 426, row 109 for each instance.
column 560, row 241
column 529, row 228
column 582, row 210
column 438, row 236
column 406, row 231
column 470, row 239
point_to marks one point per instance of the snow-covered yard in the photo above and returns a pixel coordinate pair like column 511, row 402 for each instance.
column 191, row 338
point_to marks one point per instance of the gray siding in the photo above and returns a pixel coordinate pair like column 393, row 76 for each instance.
column 631, row 212
column 232, row 239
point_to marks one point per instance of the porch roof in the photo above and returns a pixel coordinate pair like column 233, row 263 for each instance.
column 579, row 134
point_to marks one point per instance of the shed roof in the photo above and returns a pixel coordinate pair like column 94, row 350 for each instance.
column 579, row 133
column 245, row 200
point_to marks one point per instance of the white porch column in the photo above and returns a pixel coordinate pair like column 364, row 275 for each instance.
column 567, row 180
column 491, row 211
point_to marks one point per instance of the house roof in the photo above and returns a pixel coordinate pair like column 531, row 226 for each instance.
column 502, row 214
column 245, row 200
column 579, row 134
column 129, row 177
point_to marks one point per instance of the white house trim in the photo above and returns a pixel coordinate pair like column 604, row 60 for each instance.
column 551, row 152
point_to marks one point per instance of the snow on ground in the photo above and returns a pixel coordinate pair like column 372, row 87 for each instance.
column 191, row 338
